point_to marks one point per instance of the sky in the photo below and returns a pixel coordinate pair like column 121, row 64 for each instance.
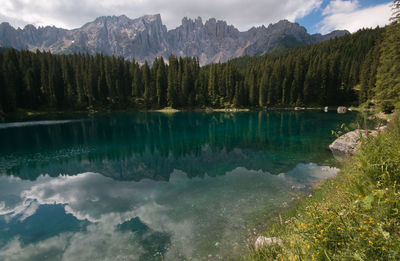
column 318, row 16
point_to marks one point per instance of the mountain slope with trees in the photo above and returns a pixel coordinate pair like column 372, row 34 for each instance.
column 315, row 75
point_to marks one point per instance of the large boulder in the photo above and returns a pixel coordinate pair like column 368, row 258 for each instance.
column 349, row 143
column 346, row 144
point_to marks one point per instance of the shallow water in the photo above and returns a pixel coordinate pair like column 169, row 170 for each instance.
column 153, row 186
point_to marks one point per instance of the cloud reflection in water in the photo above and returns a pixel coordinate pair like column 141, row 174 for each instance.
column 180, row 219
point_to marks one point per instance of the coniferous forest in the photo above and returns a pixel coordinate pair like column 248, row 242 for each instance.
column 335, row 72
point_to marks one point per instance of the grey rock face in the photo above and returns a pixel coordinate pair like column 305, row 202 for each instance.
column 146, row 38
column 349, row 143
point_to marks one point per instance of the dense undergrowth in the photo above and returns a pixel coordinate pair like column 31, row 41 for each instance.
column 354, row 216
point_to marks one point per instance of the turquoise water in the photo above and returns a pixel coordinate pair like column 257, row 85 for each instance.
column 154, row 186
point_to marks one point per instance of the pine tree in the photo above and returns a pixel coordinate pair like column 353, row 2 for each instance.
column 185, row 85
column 284, row 89
column 388, row 76
column 237, row 99
column 253, row 93
column 396, row 12
column 11, row 85
column 172, row 82
column 147, row 84
column 263, row 86
column 160, row 85
column 29, row 82
column 137, row 83
column 212, row 93
column 91, row 83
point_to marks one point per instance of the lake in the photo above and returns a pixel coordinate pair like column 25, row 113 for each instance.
column 154, row 186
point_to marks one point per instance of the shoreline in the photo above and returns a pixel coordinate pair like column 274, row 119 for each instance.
column 343, row 216
column 26, row 114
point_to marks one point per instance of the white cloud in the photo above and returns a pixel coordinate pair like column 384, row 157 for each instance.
column 74, row 13
column 97, row 243
column 347, row 15
column 52, row 248
column 340, row 6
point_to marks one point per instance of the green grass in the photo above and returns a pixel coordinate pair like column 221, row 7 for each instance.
column 354, row 216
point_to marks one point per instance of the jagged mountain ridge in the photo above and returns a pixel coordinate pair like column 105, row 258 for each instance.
column 146, row 38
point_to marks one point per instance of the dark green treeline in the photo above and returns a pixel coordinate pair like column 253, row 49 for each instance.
column 315, row 75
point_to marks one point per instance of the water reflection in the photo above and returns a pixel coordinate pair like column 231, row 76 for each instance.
column 99, row 218
column 133, row 146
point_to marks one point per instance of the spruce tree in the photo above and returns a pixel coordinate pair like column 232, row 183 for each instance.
column 388, row 76
column 147, row 84
column 160, row 85
column 11, row 86
column 263, row 86
column 252, row 88
column 212, row 86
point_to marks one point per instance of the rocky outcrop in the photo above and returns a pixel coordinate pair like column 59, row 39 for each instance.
column 146, row 37
column 348, row 144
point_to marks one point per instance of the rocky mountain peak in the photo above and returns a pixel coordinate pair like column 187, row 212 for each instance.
column 152, row 18
column 4, row 27
column 146, row 37
column 198, row 21
column 30, row 27
column 286, row 26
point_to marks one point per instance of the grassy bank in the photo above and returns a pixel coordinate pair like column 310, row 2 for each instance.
column 354, row 216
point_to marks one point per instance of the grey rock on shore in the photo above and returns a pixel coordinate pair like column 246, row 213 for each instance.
column 348, row 144
column 267, row 241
